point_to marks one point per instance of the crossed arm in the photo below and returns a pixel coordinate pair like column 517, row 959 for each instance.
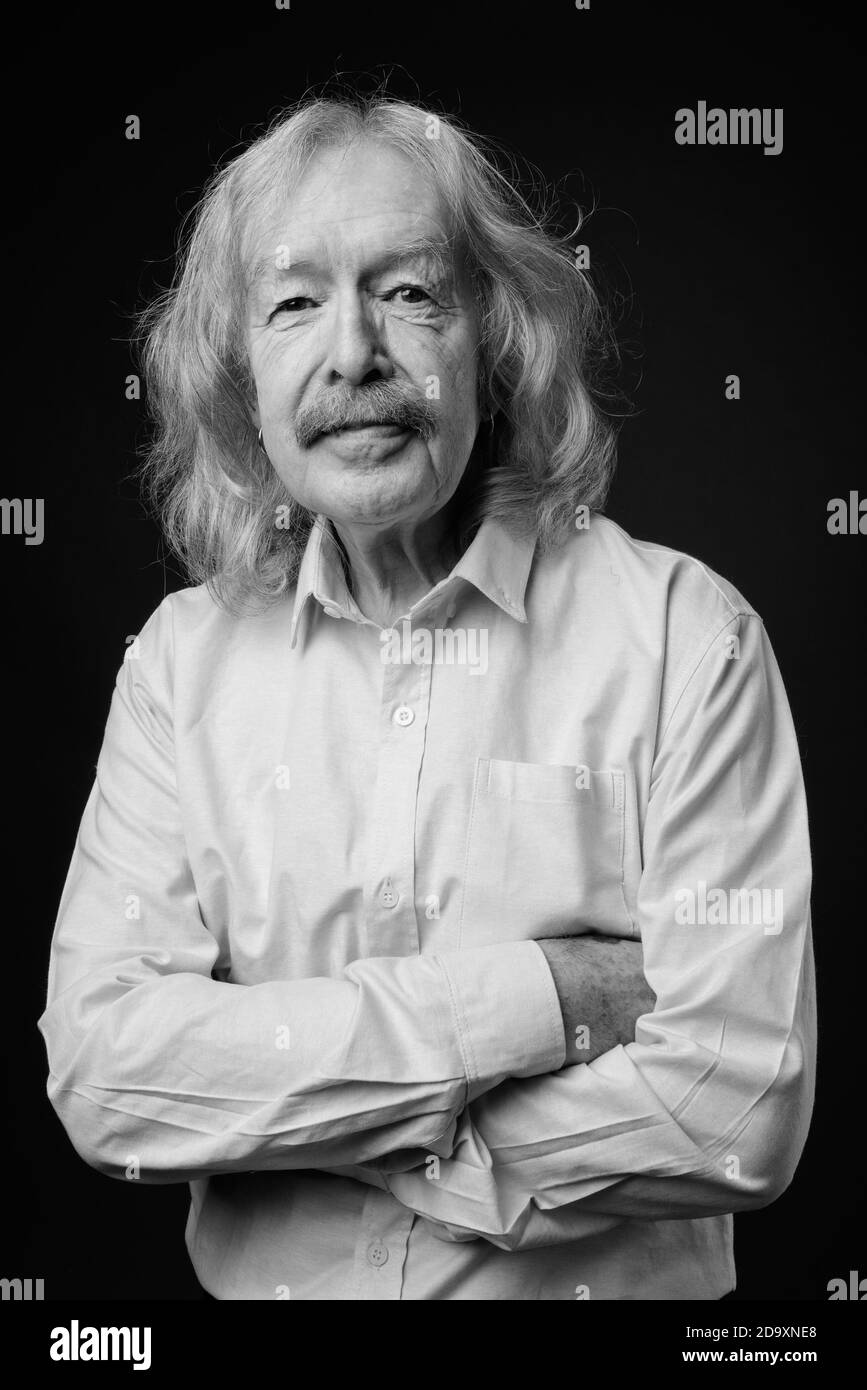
column 466, row 1056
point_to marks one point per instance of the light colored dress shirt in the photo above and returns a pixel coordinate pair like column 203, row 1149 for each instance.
column 295, row 965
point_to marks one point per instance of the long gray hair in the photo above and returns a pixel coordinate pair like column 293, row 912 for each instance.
column 544, row 334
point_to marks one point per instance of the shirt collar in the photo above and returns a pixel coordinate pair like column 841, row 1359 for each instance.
column 497, row 562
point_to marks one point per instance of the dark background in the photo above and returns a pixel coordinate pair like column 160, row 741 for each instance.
column 723, row 260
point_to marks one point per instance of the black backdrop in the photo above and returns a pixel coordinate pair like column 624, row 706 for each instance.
column 731, row 261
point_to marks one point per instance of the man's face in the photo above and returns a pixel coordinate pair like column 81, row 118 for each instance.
column 345, row 323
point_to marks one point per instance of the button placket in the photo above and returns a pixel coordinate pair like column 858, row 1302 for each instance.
column 392, row 927
column 380, row 1250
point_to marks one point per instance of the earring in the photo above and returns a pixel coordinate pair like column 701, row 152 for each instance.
column 261, row 443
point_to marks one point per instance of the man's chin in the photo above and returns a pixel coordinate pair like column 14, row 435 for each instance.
column 377, row 495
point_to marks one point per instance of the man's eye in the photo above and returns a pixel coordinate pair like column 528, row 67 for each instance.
column 411, row 290
column 293, row 305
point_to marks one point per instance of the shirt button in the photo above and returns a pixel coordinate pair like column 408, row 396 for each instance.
column 332, row 613
column 403, row 715
column 388, row 897
column 376, row 1253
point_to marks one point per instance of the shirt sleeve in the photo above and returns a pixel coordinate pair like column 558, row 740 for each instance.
column 707, row 1111
column 159, row 1069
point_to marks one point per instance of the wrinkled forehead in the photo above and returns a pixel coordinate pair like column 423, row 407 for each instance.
column 362, row 206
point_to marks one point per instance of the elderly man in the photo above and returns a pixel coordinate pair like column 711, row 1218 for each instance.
column 440, row 910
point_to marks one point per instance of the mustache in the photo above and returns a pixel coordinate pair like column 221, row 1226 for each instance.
column 383, row 402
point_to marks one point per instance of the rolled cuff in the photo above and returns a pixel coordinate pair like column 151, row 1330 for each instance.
column 507, row 1010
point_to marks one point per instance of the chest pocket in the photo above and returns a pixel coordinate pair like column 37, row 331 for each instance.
column 545, row 853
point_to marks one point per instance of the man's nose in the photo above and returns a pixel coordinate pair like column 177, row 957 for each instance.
column 356, row 349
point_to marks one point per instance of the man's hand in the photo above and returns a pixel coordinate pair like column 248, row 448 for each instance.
column 602, row 990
